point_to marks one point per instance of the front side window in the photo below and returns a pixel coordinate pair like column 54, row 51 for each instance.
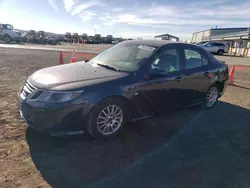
column 124, row 56
column 167, row 61
column 193, row 59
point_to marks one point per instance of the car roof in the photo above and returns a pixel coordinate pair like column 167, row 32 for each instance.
column 151, row 42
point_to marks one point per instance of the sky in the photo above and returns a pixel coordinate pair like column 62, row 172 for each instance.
column 125, row 18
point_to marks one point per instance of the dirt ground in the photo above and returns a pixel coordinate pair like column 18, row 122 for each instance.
column 32, row 159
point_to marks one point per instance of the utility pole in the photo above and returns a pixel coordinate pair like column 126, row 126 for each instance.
column 95, row 31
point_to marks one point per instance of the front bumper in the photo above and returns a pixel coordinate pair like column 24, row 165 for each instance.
column 55, row 119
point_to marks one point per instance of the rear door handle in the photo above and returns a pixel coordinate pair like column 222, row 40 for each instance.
column 205, row 74
column 179, row 78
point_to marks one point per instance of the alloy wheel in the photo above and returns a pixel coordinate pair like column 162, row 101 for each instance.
column 212, row 96
column 109, row 120
column 220, row 52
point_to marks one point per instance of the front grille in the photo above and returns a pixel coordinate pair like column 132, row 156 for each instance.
column 27, row 90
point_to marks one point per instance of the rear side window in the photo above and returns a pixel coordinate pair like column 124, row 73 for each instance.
column 218, row 44
column 193, row 59
column 204, row 61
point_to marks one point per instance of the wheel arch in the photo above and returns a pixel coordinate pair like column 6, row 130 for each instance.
column 220, row 50
column 220, row 85
column 7, row 35
column 125, row 100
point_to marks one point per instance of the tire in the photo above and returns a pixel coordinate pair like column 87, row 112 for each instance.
column 207, row 104
column 96, row 128
column 7, row 39
column 220, row 52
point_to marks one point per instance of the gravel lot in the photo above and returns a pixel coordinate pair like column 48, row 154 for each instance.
column 92, row 48
column 32, row 159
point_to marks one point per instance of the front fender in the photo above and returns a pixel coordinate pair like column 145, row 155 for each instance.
column 96, row 97
column 91, row 98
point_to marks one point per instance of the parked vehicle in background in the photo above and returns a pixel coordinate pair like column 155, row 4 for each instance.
column 114, row 42
column 215, row 47
column 97, row 39
column 8, row 34
column 40, row 37
column 132, row 80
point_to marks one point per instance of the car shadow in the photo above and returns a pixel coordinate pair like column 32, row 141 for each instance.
column 80, row 160
column 208, row 152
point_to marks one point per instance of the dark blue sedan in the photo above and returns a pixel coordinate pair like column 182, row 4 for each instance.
column 132, row 80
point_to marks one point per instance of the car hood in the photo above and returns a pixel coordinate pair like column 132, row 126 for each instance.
column 72, row 76
column 14, row 32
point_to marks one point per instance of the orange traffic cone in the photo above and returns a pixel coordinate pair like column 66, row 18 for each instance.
column 61, row 59
column 73, row 59
column 231, row 76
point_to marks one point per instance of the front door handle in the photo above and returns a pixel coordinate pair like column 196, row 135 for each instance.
column 179, row 78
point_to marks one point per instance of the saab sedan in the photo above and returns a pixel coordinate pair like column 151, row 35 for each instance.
column 130, row 81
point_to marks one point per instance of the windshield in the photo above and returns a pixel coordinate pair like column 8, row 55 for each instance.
column 124, row 56
column 204, row 44
column 8, row 27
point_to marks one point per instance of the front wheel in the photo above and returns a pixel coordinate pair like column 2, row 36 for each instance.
column 106, row 118
column 7, row 39
column 211, row 97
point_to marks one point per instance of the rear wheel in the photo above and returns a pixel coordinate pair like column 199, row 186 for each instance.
column 211, row 97
column 107, row 118
column 220, row 52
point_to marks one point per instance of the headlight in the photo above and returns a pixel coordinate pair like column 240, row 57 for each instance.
column 57, row 97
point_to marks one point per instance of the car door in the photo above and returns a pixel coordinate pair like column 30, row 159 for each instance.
column 195, row 75
column 159, row 92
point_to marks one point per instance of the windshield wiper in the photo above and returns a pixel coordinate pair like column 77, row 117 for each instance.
column 108, row 67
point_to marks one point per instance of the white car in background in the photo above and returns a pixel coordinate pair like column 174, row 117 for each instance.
column 200, row 43
column 215, row 47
